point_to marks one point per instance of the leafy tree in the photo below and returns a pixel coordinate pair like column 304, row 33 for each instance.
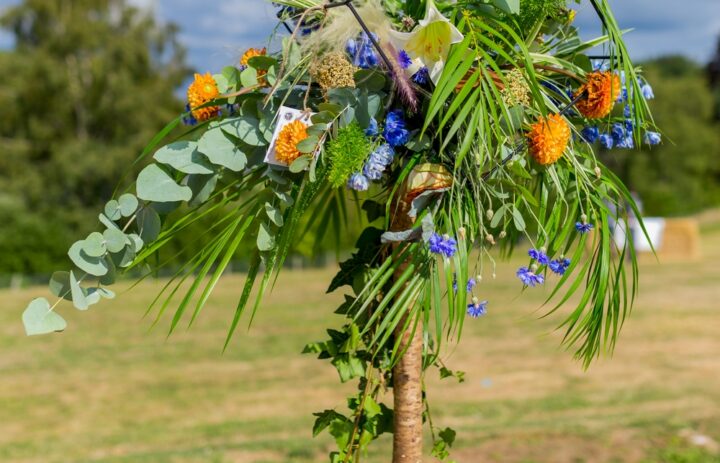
column 682, row 175
column 87, row 84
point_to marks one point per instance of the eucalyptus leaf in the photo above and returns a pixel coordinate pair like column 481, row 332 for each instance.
column 60, row 285
column 94, row 245
column 184, row 157
column 78, row 294
column 221, row 151
column 265, row 238
column 123, row 258
column 154, row 184
column 109, row 277
column 308, row 145
column 136, row 241
column 246, row 129
column 112, row 210
column 248, row 77
column 128, row 204
column 107, row 222
column 148, row 224
column 89, row 264
column 300, row 164
column 202, row 186
column 115, row 240
column 274, row 214
column 39, row 319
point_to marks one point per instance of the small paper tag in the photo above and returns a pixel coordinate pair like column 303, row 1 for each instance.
column 285, row 116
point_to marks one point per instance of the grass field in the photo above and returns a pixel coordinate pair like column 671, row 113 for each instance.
column 111, row 390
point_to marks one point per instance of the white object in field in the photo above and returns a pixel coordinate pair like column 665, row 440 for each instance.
column 284, row 117
column 655, row 226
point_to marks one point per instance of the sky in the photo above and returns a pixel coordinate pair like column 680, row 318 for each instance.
column 217, row 31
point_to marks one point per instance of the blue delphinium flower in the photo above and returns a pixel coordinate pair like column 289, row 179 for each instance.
column 395, row 132
column 372, row 128
column 606, row 140
column 559, row 266
column 358, row 182
column 421, row 77
column 600, row 65
column 470, row 284
column 362, row 52
column 647, row 91
column 539, row 255
column 627, row 142
column 383, row 154
column 404, row 59
column 189, row 119
column 590, row 133
column 618, row 132
column 583, row 227
column 373, row 170
column 477, row 308
column 627, row 111
column 442, row 245
column 652, row 138
column 529, row 278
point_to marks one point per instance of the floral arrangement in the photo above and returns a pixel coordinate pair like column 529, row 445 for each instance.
column 454, row 127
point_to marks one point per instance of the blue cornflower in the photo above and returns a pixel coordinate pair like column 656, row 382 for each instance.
column 404, row 59
column 647, row 91
column 583, row 227
column 590, row 133
column 421, row 77
column 383, row 154
column 606, row 140
column 529, row 278
column 477, row 308
column 395, row 132
column 189, row 119
column 652, row 138
column 559, row 266
column 372, row 128
column 442, row 245
column 358, row 182
column 539, row 255
column 373, row 170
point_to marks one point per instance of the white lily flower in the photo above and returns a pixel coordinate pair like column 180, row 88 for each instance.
column 429, row 41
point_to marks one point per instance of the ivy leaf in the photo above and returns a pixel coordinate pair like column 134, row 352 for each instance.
column 154, row 184
column 348, row 367
column 39, row 319
column 324, row 419
column 184, row 157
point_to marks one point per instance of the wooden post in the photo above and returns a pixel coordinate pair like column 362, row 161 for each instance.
column 407, row 375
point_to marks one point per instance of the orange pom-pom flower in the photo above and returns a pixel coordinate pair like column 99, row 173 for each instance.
column 548, row 139
column 286, row 145
column 602, row 89
column 252, row 53
column 201, row 90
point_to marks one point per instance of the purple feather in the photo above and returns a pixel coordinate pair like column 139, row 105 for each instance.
column 403, row 84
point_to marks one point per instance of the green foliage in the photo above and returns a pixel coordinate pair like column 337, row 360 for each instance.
column 347, row 153
column 682, row 175
column 80, row 98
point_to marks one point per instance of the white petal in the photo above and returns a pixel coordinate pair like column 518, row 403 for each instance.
column 400, row 39
column 436, row 70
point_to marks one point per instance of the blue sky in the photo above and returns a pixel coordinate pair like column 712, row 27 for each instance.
column 217, row 31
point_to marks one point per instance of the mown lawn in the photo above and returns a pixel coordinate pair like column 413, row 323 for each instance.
column 111, row 390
